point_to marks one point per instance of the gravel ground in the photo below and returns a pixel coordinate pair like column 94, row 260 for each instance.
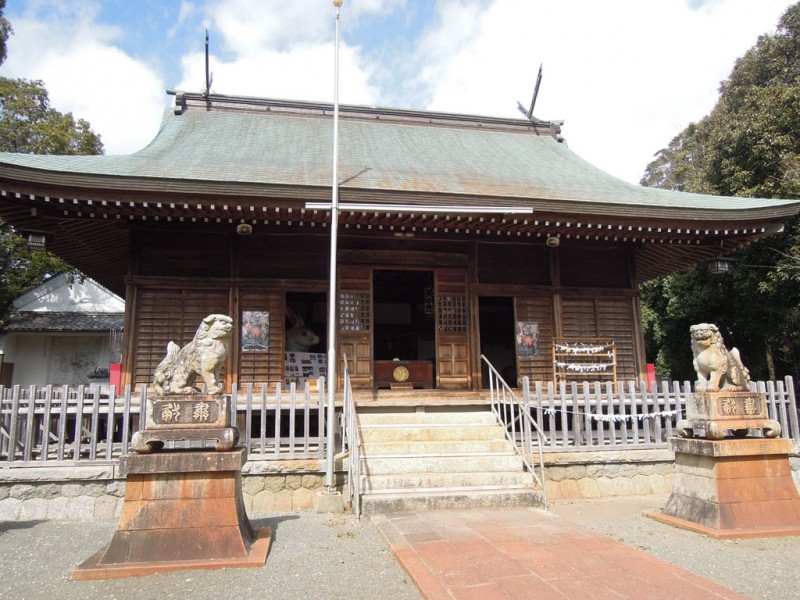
column 312, row 556
column 759, row 568
column 336, row 557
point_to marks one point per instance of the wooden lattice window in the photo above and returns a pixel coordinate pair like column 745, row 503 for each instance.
column 354, row 311
column 452, row 313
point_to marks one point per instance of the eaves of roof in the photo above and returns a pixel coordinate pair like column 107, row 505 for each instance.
column 62, row 322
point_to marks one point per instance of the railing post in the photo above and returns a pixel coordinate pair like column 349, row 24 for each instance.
column 126, row 419
column 526, row 394
column 111, row 420
column 263, row 423
column 612, row 423
column 234, row 407
column 12, row 428
column 793, row 408
column 76, row 446
column 27, row 446
column 248, row 417
column 278, row 415
column 48, row 404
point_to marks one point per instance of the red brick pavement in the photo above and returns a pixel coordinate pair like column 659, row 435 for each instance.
column 516, row 553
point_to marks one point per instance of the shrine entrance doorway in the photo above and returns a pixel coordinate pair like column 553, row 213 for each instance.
column 404, row 338
column 496, row 317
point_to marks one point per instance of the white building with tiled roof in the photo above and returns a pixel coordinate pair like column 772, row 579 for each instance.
column 63, row 332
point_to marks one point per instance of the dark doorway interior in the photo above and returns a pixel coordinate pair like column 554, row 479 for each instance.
column 403, row 315
column 312, row 308
column 496, row 316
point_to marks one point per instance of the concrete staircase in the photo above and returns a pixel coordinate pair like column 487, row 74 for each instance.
column 447, row 458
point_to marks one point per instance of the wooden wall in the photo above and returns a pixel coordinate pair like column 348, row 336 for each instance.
column 604, row 318
column 165, row 314
column 575, row 290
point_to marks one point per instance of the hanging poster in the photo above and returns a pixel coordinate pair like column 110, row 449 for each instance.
column 301, row 367
column 527, row 339
column 255, row 331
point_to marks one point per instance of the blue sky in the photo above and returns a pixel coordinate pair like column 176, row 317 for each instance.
column 625, row 75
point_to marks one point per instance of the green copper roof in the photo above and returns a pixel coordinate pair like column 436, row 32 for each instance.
column 379, row 152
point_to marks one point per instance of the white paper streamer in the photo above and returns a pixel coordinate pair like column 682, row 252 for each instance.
column 584, row 368
column 614, row 418
column 581, row 349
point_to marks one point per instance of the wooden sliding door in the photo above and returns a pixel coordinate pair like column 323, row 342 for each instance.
column 452, row 331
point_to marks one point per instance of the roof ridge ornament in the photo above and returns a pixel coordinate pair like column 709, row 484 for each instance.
column 529, row 113
column 209, row 78
column 555, row 126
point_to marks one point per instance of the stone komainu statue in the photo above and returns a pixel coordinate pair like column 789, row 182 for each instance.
column 203, row 356
column 717, row 368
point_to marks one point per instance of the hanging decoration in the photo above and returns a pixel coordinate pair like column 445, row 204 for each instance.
column 579, row 348
column 614, row 418
column 574, row 358
column 584, row 368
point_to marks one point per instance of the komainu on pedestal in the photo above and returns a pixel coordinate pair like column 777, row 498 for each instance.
column 737, row 485
column 723, row 401
column 183, row 509
column 179, row 411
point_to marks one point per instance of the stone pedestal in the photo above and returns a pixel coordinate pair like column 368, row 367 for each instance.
column 182, row 510
column 186, row 417
column 734, row 411
column 733, row 488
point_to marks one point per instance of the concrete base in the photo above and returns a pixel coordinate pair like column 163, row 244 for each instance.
column 182, row 510
column 328, row 502
column 733, row 488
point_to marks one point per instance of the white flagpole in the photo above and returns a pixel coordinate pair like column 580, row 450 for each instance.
column 331, row 374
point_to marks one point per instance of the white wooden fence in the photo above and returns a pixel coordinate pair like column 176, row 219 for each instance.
column 64, row 426
column 587, row 417
column 67, row 426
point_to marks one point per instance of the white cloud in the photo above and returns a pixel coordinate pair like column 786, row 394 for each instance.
column 627, row 76
column 284, row 50
column 187, row 10
column 305, row 73
column 87, row 75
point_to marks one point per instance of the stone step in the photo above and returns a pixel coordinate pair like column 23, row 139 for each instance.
column 442, row 463
column 442, row 499
column 415, row 482
column 485, row 417
column 380, row 448
column 391, row 433
column 424, row 460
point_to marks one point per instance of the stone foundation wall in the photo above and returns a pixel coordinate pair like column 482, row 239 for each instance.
column 577, row 475
column 270, row 486
column 61, row 493
column 83, row 493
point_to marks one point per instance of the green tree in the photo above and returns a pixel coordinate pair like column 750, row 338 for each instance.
column 22, row 268
column 5, row 32
column 29, row 124
column 749, row 145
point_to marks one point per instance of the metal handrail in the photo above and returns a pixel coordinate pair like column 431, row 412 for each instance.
column 518, row 423
column 352, row 441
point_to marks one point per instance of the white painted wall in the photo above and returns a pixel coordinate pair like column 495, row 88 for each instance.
column 57, row 359
column 57, row 294
column 61, row 358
